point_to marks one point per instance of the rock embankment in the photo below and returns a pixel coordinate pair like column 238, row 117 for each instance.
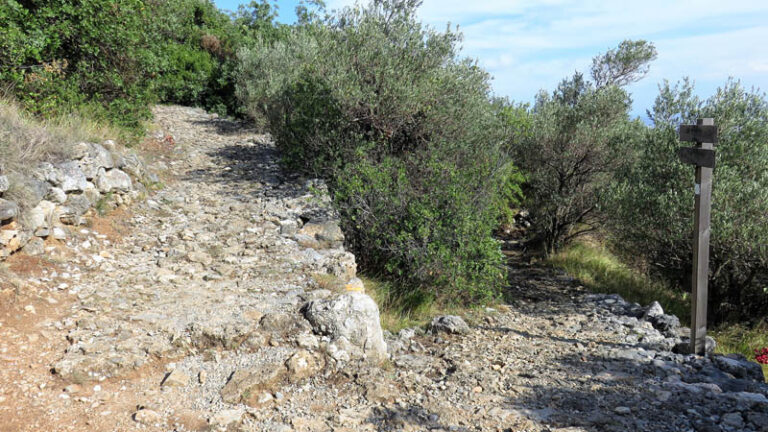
column 52, row 198
column 233, row 306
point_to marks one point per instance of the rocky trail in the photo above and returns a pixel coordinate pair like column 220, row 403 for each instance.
column 229, row 303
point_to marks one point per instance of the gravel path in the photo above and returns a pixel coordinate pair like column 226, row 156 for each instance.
column 193, row 321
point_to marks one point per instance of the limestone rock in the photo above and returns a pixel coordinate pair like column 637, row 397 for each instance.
column 301, row 364
column 132, row 164
column 75, row 206
column 288, row 227
column 244, row 384
column 684, row 346
column 4, row 183
column 226, row 418
column 176, row 378
column 738, row 366
column 352, row 318
column 12, row 238
column 96, row 157
column 355, row 285
column 734, row 420
column 56, row 195
column 34, row 247
column 449, row 324
column 113, row 180
column 326, row 233
column 39, row 216
column 665, row 323
column 32, row 190
column 92, row 193
column 109, row 144
column 147, row 417
column 277, row 322
column 307, row 341
column 8, row 209
column 72, row 177
column 200, row 257
column 654, row 310
column 381, row 392
column 47, row 172
column 60, row 233
column 80, row 150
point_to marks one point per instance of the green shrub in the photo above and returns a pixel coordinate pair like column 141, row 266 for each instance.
column 576, row 141
column 652, row 202
column 115, row 58
column 572, row 142
column 407, row 135
column 78, row 53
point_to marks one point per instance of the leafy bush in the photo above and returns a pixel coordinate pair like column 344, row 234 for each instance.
column 405, row 132
column 575, row 144
column 572, row 143
column 114, row 58
column 652, row 202
column 65, row 54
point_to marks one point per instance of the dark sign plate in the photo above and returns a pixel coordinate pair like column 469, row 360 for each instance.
column 698, row 133
column 697, row 156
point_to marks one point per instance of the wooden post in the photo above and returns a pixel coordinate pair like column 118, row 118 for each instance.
column 700, row 275
column 704, row 134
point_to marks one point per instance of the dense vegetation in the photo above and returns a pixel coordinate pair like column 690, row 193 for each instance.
column 112, row 59
column 406, row 133
column 592, row 169
column 652, row 206
column 422, row 161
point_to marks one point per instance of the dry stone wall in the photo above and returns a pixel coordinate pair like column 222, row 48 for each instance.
column 52, row 198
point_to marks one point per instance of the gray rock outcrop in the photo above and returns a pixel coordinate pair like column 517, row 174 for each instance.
column 352, row 322
column 8, row 209
column 113, row 180
column 52, row 195
column 449, row 324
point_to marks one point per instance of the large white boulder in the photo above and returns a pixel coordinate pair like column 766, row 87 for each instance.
column 352, row 322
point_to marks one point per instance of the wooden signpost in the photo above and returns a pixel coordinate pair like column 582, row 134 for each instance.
column 704, row 134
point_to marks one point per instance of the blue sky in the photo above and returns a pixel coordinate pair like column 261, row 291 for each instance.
column 528, row 45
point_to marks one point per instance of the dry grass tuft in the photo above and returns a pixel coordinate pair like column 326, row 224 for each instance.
column 26, row 140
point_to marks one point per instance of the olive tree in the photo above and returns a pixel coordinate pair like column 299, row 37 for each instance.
column 652, row 201
column 575, row 144
column 406, row 133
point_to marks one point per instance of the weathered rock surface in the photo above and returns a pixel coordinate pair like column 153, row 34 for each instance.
column 96, row 157
column 113, row 180
column 4, row 183
column 8, row 209
column 247, row 385
column 61, row 193
column 449, row 324
column 352, row 322
column 71, row 177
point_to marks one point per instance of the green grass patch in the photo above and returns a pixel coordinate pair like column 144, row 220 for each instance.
column 743, row 340
column 602, row 272
column 398, row 311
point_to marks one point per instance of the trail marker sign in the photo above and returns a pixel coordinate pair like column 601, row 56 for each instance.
column 704, row 134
